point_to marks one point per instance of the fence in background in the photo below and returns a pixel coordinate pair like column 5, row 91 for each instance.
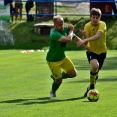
column 50, row 8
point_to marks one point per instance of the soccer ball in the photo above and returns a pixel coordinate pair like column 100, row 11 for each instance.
column 93, row 95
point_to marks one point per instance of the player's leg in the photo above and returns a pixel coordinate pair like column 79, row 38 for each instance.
column 92, row 58
column 55, row 68
column 97, row 76
column 16, row 14
column 101, row 59
column 55, row 85
column 93, row 73
column 20, row 10
column 69, row 70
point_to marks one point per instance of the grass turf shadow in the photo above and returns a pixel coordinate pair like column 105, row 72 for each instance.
column 41, row 100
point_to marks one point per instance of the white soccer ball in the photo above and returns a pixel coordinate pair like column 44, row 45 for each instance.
column 93, row 95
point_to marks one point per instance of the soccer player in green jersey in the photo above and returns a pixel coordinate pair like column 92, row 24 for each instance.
column 95, row 36
column 60, row 65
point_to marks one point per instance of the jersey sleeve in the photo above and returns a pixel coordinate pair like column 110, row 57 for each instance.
column 86, row 28
column 55, row 36
column 102, row 27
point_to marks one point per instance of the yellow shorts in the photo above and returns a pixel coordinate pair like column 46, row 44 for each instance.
column 56, row 67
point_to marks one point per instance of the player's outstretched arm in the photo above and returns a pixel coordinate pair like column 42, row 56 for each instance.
column 77, row 39
column 95, row 37
column 70, row 35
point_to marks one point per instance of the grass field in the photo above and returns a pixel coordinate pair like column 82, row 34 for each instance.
column 25, row 83
column 25, row 87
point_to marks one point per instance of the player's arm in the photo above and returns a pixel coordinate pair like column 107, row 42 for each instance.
column 95, row 37
column 77, row 39
column 83, row 32
column 68, row 38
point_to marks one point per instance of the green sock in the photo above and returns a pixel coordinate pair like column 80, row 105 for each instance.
column 55, row 86
column 65, row 75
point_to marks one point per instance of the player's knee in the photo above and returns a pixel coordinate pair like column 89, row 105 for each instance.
column 73, row 74
column 59, row 81
column 95, row 67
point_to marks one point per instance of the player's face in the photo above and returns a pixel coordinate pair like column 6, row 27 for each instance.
column 95, row 19
column 59, row 25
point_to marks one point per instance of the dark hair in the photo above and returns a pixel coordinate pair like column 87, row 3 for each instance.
column 95, row 11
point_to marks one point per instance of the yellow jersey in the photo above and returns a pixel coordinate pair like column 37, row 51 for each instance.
column 97, row 46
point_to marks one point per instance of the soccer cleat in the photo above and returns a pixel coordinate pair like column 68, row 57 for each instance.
column 85, row 95
column 52, row 94
column 92, row 86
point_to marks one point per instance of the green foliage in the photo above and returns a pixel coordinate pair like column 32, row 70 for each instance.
column 5, row 18
column 25, row 37
column 65, row 9
column 25, row 85
column 111, row 33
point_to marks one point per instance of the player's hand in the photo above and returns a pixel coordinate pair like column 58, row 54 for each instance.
column 83, row 32
column 70, row 27
column 81, row 42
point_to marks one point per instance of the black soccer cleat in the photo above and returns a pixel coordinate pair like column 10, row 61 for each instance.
column 92, row 86
column 85, row 95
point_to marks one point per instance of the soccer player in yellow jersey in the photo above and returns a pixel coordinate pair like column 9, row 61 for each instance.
column 94, row 35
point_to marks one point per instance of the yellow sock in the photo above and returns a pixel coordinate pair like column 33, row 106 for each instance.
column 92, row 80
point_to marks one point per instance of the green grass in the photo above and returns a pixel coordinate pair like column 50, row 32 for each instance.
column 25, row 85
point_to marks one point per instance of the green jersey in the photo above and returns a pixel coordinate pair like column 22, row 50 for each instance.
column 57, row 49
